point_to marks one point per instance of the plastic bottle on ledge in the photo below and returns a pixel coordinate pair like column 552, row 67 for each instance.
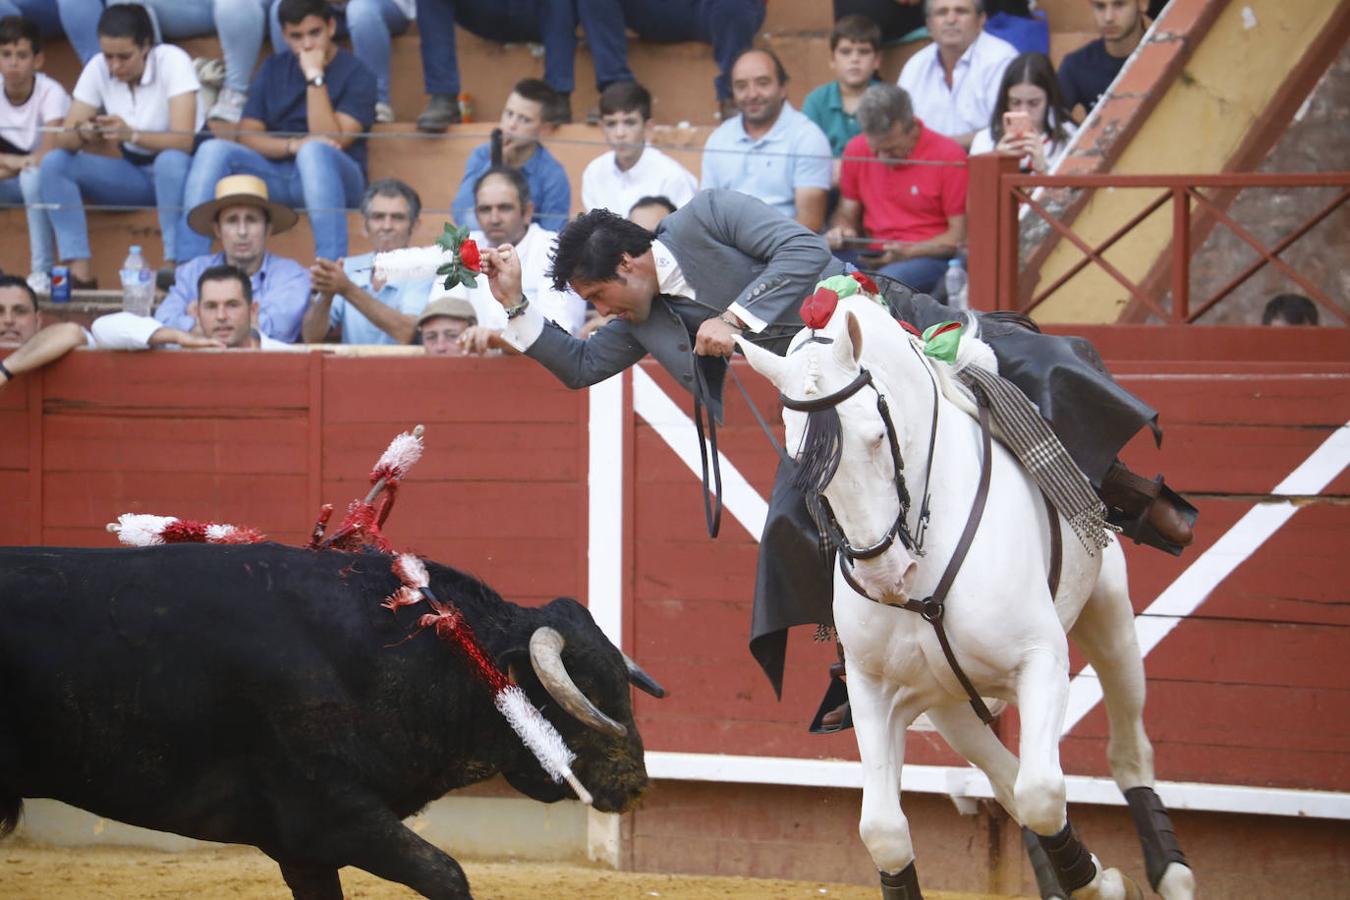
column 958, row 297
column 138, row 284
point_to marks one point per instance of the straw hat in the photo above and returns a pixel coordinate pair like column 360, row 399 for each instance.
column 240, row 190
column 453, row 307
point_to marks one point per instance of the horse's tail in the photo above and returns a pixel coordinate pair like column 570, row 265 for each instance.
column 10, row 808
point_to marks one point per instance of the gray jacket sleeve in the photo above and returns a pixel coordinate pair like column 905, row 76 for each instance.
column 581, row 363
column 794, row 256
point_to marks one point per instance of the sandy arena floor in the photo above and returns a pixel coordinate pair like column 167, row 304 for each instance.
column 36, row 872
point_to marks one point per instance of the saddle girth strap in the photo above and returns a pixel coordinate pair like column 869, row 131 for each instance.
column 933, row 608
column 1056, row 548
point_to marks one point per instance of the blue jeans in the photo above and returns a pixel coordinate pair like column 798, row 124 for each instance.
column 70, row 179
column 922, row 273
column 323, row 180
column 173, row 20
column 729, row 25
column 371, row 24
column 24, row 188
column 552, row 23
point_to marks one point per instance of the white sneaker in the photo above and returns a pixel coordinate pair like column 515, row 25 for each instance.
column 229, row 106
column 41, row 283
column 384, row 113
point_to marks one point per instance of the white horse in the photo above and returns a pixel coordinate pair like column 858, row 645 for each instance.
column 1008, row 634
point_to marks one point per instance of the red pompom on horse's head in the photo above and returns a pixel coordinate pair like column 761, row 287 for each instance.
column 817, row 309
column 867, row 284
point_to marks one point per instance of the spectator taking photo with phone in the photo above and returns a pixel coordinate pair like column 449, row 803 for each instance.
column 1029, row 120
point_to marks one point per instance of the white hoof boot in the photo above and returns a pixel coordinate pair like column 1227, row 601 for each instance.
column 1177, row 883
column 1109, row 884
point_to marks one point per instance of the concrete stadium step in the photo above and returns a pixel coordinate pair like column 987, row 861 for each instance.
column 679, row 74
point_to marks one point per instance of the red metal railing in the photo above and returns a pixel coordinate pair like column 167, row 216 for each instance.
column 998, row 192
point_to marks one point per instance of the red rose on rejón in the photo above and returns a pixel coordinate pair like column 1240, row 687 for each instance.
column 469, row 257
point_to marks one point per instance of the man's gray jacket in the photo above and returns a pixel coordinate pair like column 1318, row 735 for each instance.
column 731, row 248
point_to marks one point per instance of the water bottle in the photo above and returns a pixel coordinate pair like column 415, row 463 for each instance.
column 957, row 296
column 138, row 284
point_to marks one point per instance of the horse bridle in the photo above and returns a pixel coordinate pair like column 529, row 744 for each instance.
column 933, row 607
column 900, row 527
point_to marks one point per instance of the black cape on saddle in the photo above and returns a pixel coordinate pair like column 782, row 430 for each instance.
column 1064, row 376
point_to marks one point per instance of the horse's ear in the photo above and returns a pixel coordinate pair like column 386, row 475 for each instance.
column 765, row 362
column 848, row 343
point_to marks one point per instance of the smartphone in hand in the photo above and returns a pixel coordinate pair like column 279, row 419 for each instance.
column 1016, row 123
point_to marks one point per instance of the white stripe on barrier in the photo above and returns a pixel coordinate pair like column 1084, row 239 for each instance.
column 967, row 781
column 604, row 497
column 1183, row 596
column 675, row 428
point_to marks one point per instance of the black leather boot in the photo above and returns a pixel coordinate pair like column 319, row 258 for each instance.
column 1148, row 511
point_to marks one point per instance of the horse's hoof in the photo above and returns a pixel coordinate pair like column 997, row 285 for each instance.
column 1177, row 883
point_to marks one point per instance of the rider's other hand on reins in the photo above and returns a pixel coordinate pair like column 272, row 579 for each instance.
column 716, row 337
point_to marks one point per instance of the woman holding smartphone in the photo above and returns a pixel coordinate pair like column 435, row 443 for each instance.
column 1029, row 120
column 141, row 99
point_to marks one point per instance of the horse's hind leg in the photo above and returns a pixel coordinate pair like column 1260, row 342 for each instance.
column 879, row 728
column 1105, row 633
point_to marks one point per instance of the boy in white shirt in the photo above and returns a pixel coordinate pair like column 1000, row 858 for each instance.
column 631, row 170
column 30, row 100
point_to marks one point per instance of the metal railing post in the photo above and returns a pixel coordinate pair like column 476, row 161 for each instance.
column 1181, row 255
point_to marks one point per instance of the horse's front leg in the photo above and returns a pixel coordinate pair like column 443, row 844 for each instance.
column 879, row 725
column 1039, row 794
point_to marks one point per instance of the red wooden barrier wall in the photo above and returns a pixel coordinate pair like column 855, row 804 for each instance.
column 1249, row 690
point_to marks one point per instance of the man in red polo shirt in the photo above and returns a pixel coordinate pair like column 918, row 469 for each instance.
column 903, row 220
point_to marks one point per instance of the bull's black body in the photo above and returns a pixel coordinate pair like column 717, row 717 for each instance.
column 251, row 694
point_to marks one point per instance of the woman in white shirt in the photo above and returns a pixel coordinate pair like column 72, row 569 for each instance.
column 1029, row 86
column 137, row 97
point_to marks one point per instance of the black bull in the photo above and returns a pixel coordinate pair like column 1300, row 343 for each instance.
column 254, row 695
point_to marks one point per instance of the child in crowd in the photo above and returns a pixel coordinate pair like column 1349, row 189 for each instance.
column 631, row 169
column 1029, row 86
column 530, row 112
column 855, row 53
column 148, row 96
column 31, row 100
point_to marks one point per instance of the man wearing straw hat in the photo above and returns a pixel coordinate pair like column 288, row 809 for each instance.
column 242, row 217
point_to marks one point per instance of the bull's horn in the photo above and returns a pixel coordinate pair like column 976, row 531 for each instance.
column 641, row 679
column 546, row 656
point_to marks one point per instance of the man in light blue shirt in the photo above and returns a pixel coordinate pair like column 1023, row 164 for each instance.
column 770, row 151
column 346, row 305
column 242, row 217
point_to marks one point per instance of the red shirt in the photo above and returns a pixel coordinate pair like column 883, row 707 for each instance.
column 901, row 202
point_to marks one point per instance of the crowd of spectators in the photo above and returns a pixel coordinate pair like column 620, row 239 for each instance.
column 878, row 168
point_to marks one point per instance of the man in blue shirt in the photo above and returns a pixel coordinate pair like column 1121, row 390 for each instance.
column 348, row 304
column 770, row 151
column 1086, row 73
column 242, row 216
column 317, row 87
column 530, row 111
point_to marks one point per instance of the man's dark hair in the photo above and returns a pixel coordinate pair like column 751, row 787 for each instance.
column 511, row 174
column 550, row 101
column 660, row 200
column 592, row 245
column 293, row 12
column 1292, row 309
column 857, row 28
column 778, row 69
column 127, row 20
column 226, row 272
column 392, row 187
column 16, row 28
column 626, row 96
column 16, row 282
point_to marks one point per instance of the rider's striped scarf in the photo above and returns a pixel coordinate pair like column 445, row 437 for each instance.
column 1041, row 452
